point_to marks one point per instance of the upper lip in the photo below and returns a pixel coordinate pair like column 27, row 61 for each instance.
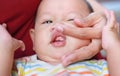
column 56, row 34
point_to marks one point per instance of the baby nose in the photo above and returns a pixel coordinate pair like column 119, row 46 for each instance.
column 57, row 27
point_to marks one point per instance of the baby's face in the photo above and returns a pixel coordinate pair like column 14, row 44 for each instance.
column 49, row 43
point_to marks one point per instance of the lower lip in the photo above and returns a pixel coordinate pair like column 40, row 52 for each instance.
column 59, row 44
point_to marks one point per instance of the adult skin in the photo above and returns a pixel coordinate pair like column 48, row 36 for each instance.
column 94, row 24
column 8, row 45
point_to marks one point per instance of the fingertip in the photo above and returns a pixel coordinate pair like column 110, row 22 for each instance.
column 60, row 28
column 106, row 13
column 4, row 25
column 66, row 62
column 79, row 22
column 113, row 16
column 63, row 57
column 23, row 48
column 76, row 21
column 71, row 58
column 22, row 45
column 66, row 56
column 108, row 17
column 112, row 20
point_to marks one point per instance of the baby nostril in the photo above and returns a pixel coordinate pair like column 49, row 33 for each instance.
column 57, row 28
column 52, row 29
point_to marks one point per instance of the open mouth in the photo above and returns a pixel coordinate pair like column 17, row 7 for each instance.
column 58, row 39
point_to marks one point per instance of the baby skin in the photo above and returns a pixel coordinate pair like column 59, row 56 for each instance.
column 50, row 44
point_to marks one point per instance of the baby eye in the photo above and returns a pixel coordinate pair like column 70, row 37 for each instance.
column 47, row 22
column 70, row 20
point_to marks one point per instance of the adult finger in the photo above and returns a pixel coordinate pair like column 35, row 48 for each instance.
column 18, row 44
column 118, row 27
column 82, row 33
column 86, row 52
column 112, row 22
column 4, row 25
column 90, row 20
column 96, row 6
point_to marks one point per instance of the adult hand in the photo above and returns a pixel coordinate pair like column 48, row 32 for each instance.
column 111, row 43
column 110, row 33
column 93, row 26
column 7, row 42
column 8, row 45
column 97, row 21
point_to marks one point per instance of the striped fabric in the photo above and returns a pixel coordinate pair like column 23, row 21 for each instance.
column 31, row 66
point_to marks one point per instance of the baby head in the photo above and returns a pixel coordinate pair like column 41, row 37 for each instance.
column 49, row 42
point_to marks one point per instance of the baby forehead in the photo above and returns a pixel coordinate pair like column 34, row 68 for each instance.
column 49, row 5
column 62, row 2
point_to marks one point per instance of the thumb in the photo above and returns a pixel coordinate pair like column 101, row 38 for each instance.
column 111, row 19
column 68, row 59
column 90, row 20
column 95, row 5
column 71, row 57
column 22, row 45
column 18, row 44
column 4, row 25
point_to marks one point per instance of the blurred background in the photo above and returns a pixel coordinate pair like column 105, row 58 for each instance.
column 112, row 5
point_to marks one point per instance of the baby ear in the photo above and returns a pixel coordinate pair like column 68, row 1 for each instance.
column 32, row 35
